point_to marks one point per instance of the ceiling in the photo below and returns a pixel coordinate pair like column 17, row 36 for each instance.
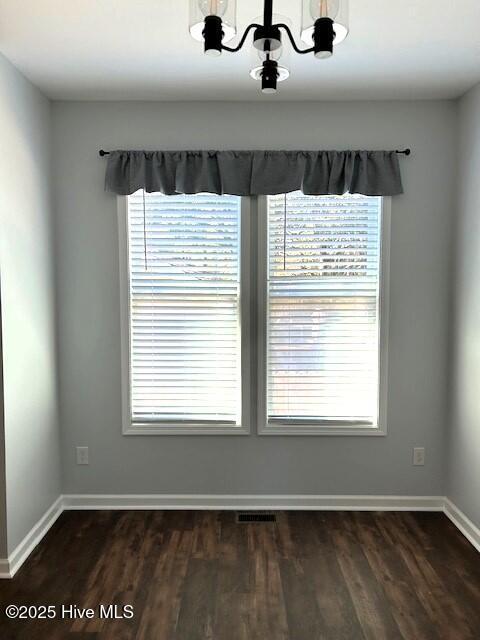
column 141, row 50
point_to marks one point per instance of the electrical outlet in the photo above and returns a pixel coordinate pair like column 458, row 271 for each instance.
column 82, row 455
column 419, row 456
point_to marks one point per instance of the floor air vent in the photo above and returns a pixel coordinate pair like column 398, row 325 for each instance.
column 255, row 516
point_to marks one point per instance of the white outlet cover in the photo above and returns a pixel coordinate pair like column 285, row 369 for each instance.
column 82, row 455
column 419, row 456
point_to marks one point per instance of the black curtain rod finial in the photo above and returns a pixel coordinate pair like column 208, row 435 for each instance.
column 102, row 153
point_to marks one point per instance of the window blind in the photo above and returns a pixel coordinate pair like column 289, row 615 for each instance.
column 184, row 303
column 323, row 308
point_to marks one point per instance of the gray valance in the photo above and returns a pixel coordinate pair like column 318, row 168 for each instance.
column 249, row 173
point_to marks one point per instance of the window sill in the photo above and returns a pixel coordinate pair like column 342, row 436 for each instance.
column 157, row 429
column 314, row 430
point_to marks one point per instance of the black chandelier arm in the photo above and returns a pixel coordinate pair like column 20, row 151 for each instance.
column 243, row 38
column 286, row 28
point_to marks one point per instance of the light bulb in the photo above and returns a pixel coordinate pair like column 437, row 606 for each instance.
column 213, row 7
column 324, row 9
column 265, row 53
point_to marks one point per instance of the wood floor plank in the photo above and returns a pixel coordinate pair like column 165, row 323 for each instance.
column 367, row 593
column 334, row 601
column 392, row 573
column 266, row 605
column 303, row 615
column 196, row 614
column 109, row 572
column 158, row 618
column 203, row 576
column 446, row 611
column 455, row 566
column 235, row 579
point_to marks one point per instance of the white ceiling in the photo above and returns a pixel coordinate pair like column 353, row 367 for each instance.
column 141, row 50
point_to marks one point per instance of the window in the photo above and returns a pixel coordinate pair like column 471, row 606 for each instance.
column 312, row 323
column 321, row 314
column 184, row 313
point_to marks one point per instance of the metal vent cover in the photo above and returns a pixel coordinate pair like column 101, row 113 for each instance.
column 255, row 516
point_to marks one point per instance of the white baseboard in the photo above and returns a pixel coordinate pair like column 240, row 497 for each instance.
column 463, row 524
column 252, row 502
column 8, row 567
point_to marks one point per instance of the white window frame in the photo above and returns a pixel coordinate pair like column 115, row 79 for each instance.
column 318, row 429
column 131, row 428
column 253, row 311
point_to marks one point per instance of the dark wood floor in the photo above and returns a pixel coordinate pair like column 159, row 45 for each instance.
column 200, row 575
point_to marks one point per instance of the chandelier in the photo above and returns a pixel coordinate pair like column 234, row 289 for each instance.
column 324, row 25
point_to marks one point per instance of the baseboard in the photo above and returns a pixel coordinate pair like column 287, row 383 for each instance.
column 252, row 502
column 463, row 524
column 10, row 566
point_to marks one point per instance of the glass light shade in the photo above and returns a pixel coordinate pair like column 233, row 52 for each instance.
column 323, row 55
column 273, row 44
column 224, row 9
column 215, row 53
column 337, row 10
column 283, row 73
column 257, row 55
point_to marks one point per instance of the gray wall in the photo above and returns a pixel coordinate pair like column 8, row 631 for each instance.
column 89, row 318
column 27, row 303
column 463, row 485
column 3, row 477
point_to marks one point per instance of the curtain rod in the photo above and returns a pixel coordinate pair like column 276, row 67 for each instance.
column 405, row 152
